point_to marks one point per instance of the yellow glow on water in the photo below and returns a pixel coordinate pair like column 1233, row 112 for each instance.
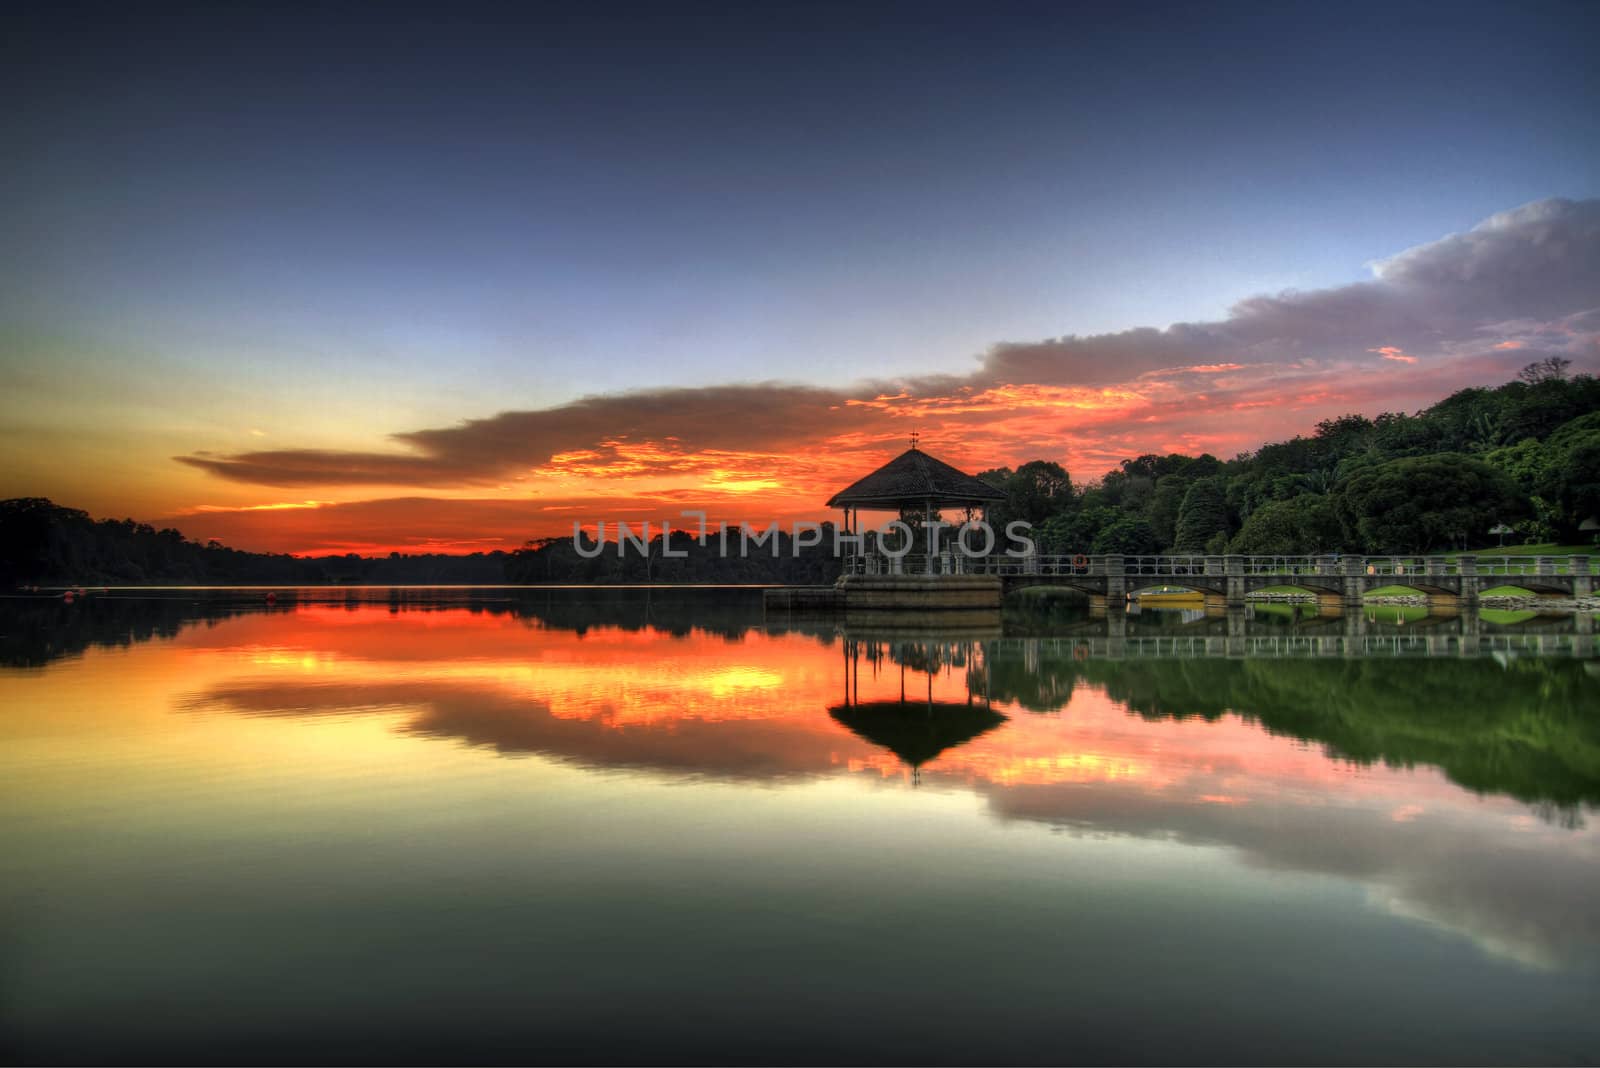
column 325, row 692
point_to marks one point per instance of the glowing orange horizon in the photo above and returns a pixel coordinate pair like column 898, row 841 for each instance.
column 710, row 454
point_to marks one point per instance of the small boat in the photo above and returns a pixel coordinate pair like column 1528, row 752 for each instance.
column 1170, row 595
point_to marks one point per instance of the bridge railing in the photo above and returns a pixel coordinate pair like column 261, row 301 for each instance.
column 1423, row 566
column 1177, row 566
column 1291, row 646
column 1173, row 566
column 1039, row 564
column 909, row 564
column 1533, row 565
column 1413, row 566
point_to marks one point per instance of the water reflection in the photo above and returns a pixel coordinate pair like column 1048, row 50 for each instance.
column 915, row 728
column 692, row 681
column 1452, row 785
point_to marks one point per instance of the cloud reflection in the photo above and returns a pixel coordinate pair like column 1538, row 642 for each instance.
column 758, row 711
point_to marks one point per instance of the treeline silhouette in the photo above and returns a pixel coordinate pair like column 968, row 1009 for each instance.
column 1524, row 455
column 44, row 543
column 772, row 562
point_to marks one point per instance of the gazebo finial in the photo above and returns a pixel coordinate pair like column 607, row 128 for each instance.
column 913, row 439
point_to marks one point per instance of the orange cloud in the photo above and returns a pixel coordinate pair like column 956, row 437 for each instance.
column 1390, row 352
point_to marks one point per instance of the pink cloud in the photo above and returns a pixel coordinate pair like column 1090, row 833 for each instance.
column 1390, row 352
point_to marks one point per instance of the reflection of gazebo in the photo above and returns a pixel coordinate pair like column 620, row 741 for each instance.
column 917, row 731
column 914, row 730
column 913, row 481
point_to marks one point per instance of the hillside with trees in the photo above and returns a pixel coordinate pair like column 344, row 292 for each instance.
column 44, row 543
column 1525, row 454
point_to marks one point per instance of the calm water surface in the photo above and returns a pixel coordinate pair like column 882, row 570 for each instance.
column 631, row 826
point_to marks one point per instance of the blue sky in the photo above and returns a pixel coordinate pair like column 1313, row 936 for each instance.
column 378, row 219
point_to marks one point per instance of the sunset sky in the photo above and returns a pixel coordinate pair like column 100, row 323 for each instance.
column 394, row 278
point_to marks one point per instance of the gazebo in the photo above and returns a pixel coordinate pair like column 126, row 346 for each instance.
column 877, row 585
column 913, row 480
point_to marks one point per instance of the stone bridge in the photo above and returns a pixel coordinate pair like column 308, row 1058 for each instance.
column 1334, row 579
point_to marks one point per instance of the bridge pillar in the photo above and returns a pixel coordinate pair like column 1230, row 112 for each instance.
column 1117, row 634
column 1233, row 568
column 1471, row 628
column 1116, row 580
column 1582, row 580
column 1355, row 632
column 1470, row 582
column 1355, row 581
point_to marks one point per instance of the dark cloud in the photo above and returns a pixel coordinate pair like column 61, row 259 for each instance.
column 1519, row 270
column 776, row 415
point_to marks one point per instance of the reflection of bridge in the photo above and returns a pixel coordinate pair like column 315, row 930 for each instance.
column 1343, row 580
column 1115, row 636
column 1299, row 646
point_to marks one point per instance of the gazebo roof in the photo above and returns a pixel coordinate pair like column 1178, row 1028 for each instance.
column 912, row 478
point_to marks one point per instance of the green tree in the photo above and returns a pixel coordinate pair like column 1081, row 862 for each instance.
column 1529, row 464
column 1300, row 526
column 1129, row 535
column 1164, row 506
column 1204, row 514
column 1571, row 479
column 1037, row 490
column 1425, row 503
column 1074, row 531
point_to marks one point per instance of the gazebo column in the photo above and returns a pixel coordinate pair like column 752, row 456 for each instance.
column 927, row 528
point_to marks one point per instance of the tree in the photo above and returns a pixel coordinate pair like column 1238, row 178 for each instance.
column 1129, row 535
column 1074, row 531
column 1203, row 515
column 1529, row 465
column 1572, row 478
column 1551, row 368
column 25, row 528
column 1164, row 506
column 1036, row 490
column 1424, row 503
column 1301, row 526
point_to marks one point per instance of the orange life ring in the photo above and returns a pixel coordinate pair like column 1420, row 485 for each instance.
column 1080, row 653
column 1080, row 561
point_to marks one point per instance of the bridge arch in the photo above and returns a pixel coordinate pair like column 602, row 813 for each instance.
column 1088, row 587
column 1418, row 589
column 1528, row 586
column 1296, row 586
column 1187, row 585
